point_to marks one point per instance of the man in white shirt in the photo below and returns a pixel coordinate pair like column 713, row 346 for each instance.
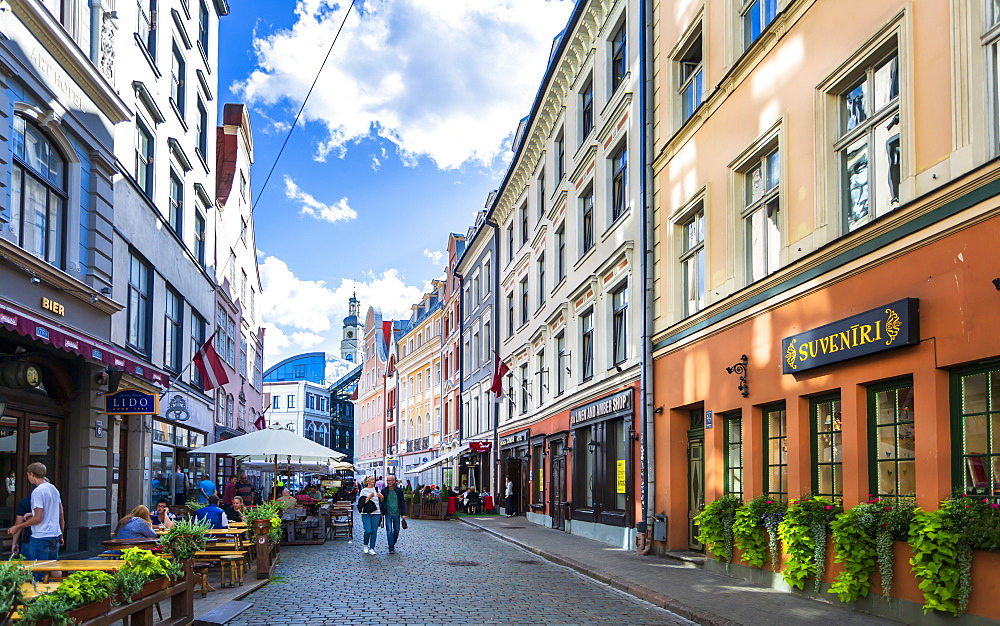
column 47, row 520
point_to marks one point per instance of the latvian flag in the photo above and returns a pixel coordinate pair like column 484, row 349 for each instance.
column 500, row 370
column 213, row 373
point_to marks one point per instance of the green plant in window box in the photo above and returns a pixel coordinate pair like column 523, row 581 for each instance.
column 186, row 537
column 803, row 532
column 715, row 526
column 82, row 588
column 751, row 534
column 51, row 607
column 146, row 563
column 12, row 576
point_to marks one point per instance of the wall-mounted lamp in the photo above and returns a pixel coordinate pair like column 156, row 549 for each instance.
column 741, row 369
column 996, row 283
column 35, row 279
column 658, row 410
column 593, row 445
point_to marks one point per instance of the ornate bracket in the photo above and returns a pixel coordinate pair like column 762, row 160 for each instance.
column 741, row 369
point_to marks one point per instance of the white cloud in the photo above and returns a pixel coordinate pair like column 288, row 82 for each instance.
column 421, row 74
column 435, row 256
column 314, row 208
column 304, row 315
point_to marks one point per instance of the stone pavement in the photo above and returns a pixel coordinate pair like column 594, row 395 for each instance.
column 687, row 590
column 443, row 572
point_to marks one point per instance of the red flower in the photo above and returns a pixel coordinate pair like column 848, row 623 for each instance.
column 770, row 501
column 888, row 508
column 828, row 507
column 884, row 525
column 968, row 506
column 994, row 505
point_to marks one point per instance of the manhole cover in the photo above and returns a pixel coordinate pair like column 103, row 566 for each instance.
column 528, row 562
column 512, row 527
column 462, row 563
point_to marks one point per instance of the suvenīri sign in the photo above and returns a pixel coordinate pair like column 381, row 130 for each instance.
column 883, row 328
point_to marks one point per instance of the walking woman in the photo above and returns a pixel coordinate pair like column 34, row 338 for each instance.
column 370, row 507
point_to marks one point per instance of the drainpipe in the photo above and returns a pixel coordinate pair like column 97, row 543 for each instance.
column 646, row 451
column 461, row 362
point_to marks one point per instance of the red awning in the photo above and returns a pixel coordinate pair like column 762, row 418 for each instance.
column 48, row 333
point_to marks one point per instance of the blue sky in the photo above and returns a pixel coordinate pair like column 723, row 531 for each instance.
column 406, row 133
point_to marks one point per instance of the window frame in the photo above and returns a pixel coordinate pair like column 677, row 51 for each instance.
column 697, row 251
column 53, row 250
column 960, row 459
column 782, row 439
column 560, row 345
column 173, row 331
column 175, row 203
column 540, row 267
column 144, row 158
column 619, row 324
column 730, row 471
column 767, row 206
column 178, row 81
column 764, row 16
column 876, row 457
column 525, row 297
column 815, row 444
column 618, row 57
column 690, row 72
column 587, row 344
column 586, row 100
column 619, row 181
column 139, row 304
column 588, row 239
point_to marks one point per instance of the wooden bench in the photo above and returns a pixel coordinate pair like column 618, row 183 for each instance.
column 222, row 614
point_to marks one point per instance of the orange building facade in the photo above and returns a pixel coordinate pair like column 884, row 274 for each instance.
column 827, row 295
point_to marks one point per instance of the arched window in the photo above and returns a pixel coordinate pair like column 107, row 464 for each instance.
column 310, row 432
column 38, row 194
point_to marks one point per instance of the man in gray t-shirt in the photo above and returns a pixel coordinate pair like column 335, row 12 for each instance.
column 46, row 521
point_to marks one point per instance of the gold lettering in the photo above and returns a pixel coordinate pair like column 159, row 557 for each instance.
column 824, row 344
column 865, row 336
column 845, row 341
column 878, row 330
column 804, row 351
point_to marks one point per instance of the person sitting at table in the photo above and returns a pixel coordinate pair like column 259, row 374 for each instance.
column 211, row 512
column 162, row 516
column 286, row 499
column 136, row 525
column 236, row 510
column 313, row 492
column 472, row 502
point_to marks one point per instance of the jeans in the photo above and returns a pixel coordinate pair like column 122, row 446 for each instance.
column 43, row 550
column 371, row 522
column 392, row 529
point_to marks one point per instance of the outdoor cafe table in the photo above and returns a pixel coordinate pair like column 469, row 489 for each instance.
column 85, row 565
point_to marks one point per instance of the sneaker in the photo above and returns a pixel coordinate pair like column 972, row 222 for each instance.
column 392, row 550
column 366, row 549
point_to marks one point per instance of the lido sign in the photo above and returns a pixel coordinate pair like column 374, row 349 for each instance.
column 884, row 328
column 131, row 402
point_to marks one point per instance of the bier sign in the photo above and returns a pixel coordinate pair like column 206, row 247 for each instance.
column 131, row 402
column 883, row 328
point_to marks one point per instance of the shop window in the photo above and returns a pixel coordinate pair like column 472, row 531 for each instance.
column 733, row 471
column 38, row 195
column 776, row 452
column 584, row 463
column 976, row 407
column 827, row 447
column 538, row 475
column 892, row 440
column 869, row 143
column 613, row 450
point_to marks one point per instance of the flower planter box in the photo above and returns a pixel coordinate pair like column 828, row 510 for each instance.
column 90, row 611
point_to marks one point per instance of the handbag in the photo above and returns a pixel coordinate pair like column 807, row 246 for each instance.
column 367, row 506
column 402, row 523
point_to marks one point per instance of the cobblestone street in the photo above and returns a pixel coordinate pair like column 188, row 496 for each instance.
column 442, row 573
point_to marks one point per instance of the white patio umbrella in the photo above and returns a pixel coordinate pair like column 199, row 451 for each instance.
column 270, row 444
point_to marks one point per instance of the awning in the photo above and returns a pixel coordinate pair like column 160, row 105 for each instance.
column 438, row 461
column 71, row 341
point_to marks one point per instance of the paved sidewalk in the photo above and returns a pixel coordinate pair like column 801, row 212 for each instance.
column 689, row 591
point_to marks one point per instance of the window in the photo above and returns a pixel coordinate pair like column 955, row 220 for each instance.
column 892, row 444
column 542, row 374
column 243, row 230
column 38, row 195
column 869, row 143
column 201, row 130
column 692, row 261
column 619, row 334
column 243, row 194
column 290, row 401
column 977, row 413
column 524, row 223
column 524, row 388
column 776, row 452
column 587, row 221
column 203, row 27
column 276, row 402
column 755, row 16
column 540, row 198
column 229, row 411
column 146, row 27
column 586, row 109
column 561, row 365
column 560, row 151
column 619, row 181
column 690, row 86
column 587, row 344
column 243, row 356
column 619, row 58
column 826, row 426
column 143, row 159
column 487, row 342
column 176, row 204
column 510, row 242
column 310, row 401
column 524, row 300
column 232, row 272
column 762, row 233
column 991, row 38
column 178, row 71
column 199, row 237
column 198, row 339
column 243, row 288
column 139, row 296
column 173, row 337
column 541, row 280
column 733, row 477
column 226, row 345
column 561, row 252
column 486, row 277
column 253, row 304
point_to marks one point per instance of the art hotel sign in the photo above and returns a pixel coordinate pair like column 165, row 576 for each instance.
column 882, row 328
column 607, row 406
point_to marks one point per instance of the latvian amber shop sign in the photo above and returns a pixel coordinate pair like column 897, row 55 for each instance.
column 883, row 328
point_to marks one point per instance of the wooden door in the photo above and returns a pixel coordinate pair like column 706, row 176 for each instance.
column 557, row 492
column 696, row 488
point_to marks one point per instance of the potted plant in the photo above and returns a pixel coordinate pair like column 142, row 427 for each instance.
column 128, row 584
column 154, row 569
column 89, row 592
column 185, row 538
column 47, row 608
column 12, row 576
